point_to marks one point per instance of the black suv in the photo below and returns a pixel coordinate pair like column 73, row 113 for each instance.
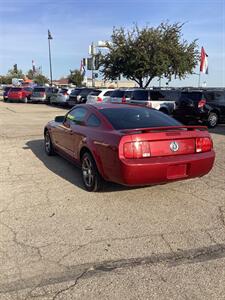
column 79, row 95
column 206, row 106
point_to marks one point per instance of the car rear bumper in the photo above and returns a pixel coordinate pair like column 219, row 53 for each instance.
column 149, row 171
column 37, row 99
column 16, row 99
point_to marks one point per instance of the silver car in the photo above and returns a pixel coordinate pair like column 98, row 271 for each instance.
column 100, row 95
column 38, row 95
column 61, row 97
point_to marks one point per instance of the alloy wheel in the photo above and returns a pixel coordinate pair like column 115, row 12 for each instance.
column 88, row 172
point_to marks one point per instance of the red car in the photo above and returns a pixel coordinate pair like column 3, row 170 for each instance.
column 129, row 145
column 19, row 94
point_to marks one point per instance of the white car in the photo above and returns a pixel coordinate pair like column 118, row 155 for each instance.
column 61, row 96
column 100, row 95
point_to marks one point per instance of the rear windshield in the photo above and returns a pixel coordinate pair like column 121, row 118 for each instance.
column 63, row 91
column 131, row 118
column 195, row 96
column 140, row 95
column 118, row 93
column 108, row 93
column 85, row 92
column 76, row 92
column 39, row 90
column 16, row 89
column 95, row 93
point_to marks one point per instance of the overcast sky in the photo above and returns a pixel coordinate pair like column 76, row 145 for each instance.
column 75, row 24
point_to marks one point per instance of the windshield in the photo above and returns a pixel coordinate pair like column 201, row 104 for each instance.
column 131, row 118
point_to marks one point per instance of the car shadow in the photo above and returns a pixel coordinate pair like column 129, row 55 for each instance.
column 220, row 129
column 65, row 169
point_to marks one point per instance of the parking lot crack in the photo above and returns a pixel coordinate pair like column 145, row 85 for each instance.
column 70, row 286
column 221, row 215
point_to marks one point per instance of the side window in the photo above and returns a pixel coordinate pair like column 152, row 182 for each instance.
column 77, row 115
column 93, row 121
column 140, row 95
column 156, row 95
column 108, row 93
column 209, row 96
column 220, row 96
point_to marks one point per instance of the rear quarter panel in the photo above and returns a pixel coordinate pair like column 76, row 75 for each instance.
column 103, row 145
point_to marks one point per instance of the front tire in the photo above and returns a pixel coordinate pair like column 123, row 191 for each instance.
column 91, row 178
column 212, row 120
column 49, row 150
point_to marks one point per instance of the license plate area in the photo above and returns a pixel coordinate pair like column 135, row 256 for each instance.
column 177, row 171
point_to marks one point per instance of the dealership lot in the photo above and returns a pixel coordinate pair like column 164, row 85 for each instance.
column 58, row 241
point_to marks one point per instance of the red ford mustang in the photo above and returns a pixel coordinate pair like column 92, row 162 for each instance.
column 129, row 145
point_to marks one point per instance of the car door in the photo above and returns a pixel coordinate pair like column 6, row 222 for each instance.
column 78, row 130
column 69, row 133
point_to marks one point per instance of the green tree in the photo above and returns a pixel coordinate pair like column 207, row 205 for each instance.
column 143, row 54
column 12, row 73
column 75, row 77
column 30, row 74
column 40, row 79
column 5, row 79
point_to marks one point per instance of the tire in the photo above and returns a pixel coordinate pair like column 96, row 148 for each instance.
column 212, row 120
column 49, row 150
column 91, row 178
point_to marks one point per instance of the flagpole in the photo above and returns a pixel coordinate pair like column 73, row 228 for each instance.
column 49, row 54
column 199, row 79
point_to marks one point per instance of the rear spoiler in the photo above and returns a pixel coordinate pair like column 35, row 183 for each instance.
column 169, row 128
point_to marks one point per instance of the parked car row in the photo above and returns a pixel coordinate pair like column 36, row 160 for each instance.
column 187, row 105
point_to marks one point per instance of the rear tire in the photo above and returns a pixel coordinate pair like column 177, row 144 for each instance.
column 48, row 144
column 212, row 120
column 91, row 178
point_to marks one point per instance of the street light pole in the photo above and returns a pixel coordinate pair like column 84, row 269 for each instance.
column 93, row 63
column 49, row 53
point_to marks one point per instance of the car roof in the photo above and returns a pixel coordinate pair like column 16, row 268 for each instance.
column 100, row 106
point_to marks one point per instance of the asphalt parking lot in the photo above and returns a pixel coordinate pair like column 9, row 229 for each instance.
column 58, row 241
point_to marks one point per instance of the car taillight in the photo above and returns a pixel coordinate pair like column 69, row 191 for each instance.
column 204, row 144
column 99, row 99
column 136, row 150
column 201, row 103
column 65, row 93
column 123, row 99
column 149, row 104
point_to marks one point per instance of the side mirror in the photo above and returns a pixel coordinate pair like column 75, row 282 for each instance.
column 59, row 119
